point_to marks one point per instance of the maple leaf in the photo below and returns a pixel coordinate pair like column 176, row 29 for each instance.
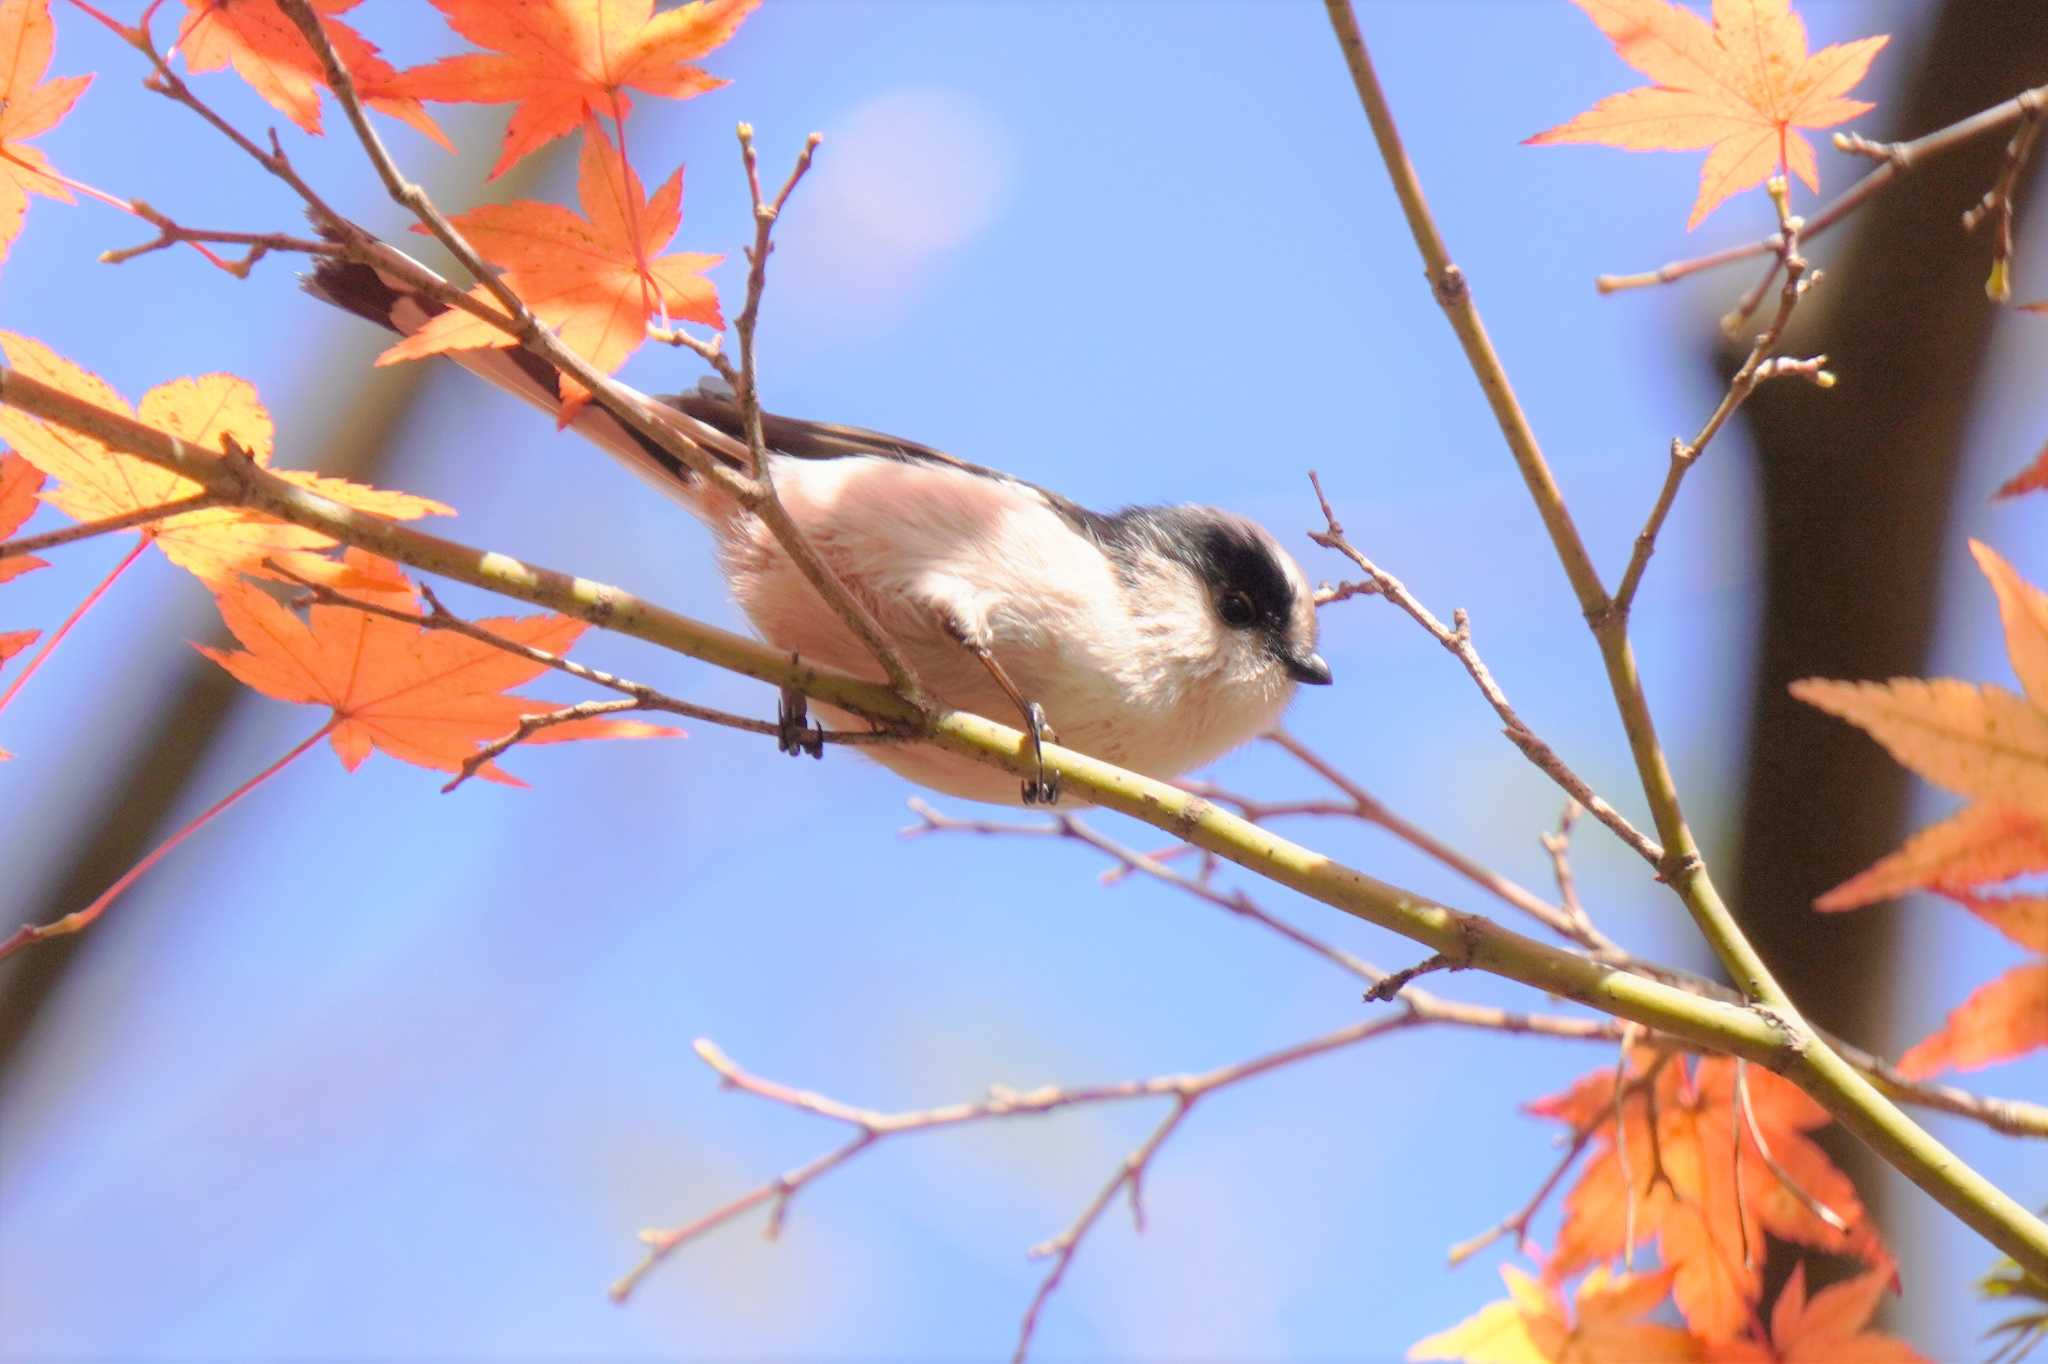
column 1684, row 1190
column 19, row 483
column 2032, row 479
column 29, row 105
column 1999, row 1021
column 428, row 697
column 561, row 60
column 268, row 51
column 1976, row 845
column 94, row 482
column 1531, row 1325
column 1977, row 740
column 1739, row 86
column 1995, row 749
column 1986, row 743
column 596, row 280
column 1827, row 1328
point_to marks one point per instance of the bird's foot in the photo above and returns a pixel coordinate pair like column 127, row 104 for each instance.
column 794, row 733
column 1042, row 788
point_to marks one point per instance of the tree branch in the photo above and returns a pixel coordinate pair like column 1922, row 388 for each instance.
column 1808, row 1061
column 1897, row 158
column 669, row 431
column 86, row 530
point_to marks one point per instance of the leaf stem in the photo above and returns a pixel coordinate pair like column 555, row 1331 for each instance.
column 79, row 920
column 77, row 614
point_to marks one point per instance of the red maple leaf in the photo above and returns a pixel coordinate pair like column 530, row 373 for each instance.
column 562, row 60
column 268, row 51
column 598, row 281
column 423, row 696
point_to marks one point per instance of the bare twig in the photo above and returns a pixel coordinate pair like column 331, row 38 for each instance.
column 530, row 725
column 1370, row 809
column 1330, row 595
column 871, row 1127
column 1558, row 844
column 1997, row 207
column 1809, row 1061
column 1897, row 159
column 1458, row 640
column 170, row 233
column 640, row 695
column 1763, row 1148
column 1394, row 982
column 128, row 520
column 1753, row 371
column 665, row 426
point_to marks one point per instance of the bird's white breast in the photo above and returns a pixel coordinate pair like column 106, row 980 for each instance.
column 1133, row 672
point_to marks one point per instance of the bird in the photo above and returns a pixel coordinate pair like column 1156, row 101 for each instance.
column 1157, row 638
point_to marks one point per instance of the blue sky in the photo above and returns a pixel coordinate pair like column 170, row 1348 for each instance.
column 369, row 1072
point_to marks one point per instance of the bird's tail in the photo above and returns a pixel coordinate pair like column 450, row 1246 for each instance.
column 384, row 296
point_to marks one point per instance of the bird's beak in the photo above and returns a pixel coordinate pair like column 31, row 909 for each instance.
column 1306, row 666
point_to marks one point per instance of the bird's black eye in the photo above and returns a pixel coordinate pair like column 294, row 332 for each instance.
column 1236, row 609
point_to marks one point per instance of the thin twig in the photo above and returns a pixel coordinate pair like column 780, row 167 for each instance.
column 1997, row 205
column 640, row 695
column 1558, row 844
column 170, row 233
column 1517, row 1222
column 871, row 1126
column 128, row 520
column 1458, row 640
column 1330, row 594
column 1753, row 371
column 1897, row 159
column 1370, row 809
column 530, row 725
column 1394, row 982
column 667, row 427
column 1763, row 1148
column 1816, row 1068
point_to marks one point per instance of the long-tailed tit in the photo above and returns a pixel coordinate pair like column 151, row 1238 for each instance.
column 1156, row 638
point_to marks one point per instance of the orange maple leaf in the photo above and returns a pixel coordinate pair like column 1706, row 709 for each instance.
column 561, row 60
column 28, row 105
column 2004, row 1019
column 597, row 280
column 268, row 51
column 1993, row 746
column 1739, row 87
column 1531, row 1325
column 19, row 483
column 1684, row 1187
column 1828, row 1328
column 1978, row 741
column 2032, row 479
column 428, row 697
column 94, row 482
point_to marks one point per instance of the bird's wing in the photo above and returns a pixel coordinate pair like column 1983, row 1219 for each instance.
column 385, row 295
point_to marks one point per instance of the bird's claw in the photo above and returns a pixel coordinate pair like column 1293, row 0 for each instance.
column 794, row 734
column 1043, row 787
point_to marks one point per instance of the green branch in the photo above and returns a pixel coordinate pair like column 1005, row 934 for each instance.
column 1807, row 1060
